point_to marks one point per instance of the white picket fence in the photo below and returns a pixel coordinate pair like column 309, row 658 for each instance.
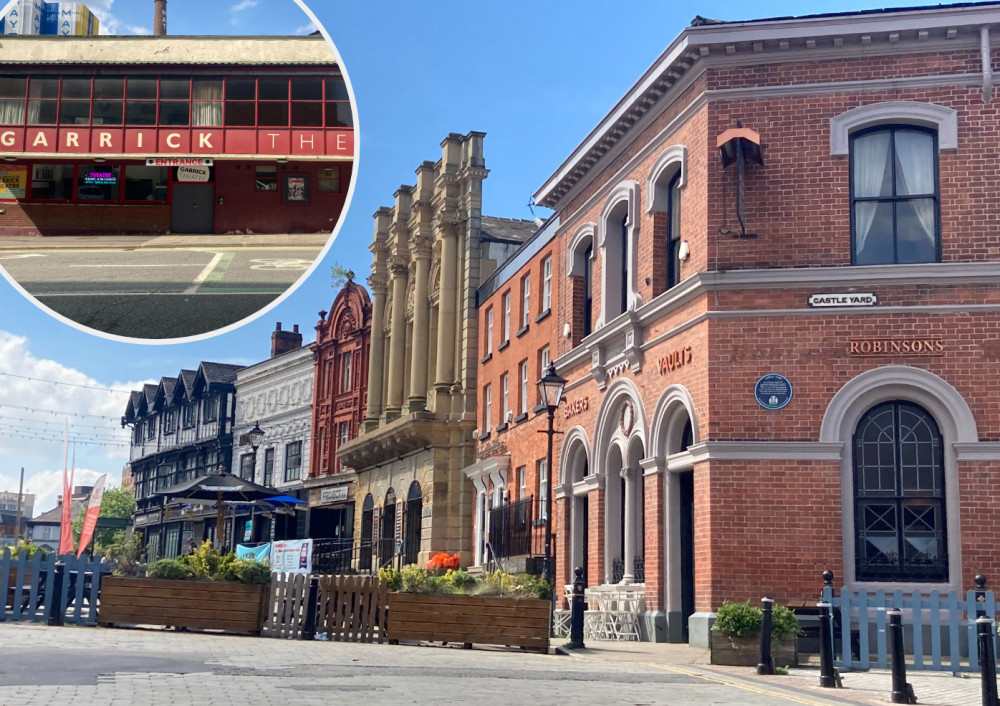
column 939, row 628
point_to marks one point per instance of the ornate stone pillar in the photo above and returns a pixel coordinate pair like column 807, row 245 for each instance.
column 447, row 308
column 376, row 354
column 397, row 343
column 417, row 401
column 629, row 475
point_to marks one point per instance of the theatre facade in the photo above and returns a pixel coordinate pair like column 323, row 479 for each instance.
column 143, row 134
column 771, row 283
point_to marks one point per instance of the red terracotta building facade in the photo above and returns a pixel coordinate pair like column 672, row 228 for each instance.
column 774, row 296
column 340, row 392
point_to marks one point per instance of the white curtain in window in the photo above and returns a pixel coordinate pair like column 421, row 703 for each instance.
column 915, row 175
column 870, row 163
column 206, row 108
column 11, row 112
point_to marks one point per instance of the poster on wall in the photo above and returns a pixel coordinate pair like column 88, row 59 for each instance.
column 292, row 556
column 297, row 189
column 13, row 181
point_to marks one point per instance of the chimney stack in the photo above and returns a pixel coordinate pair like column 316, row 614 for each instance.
column 159, row 18
column 285, row 341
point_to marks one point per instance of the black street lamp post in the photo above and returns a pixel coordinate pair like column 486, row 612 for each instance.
column 550, row 387
column 256, row 436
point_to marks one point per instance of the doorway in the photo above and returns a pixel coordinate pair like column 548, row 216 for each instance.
column 686, row 519
column 193, row 208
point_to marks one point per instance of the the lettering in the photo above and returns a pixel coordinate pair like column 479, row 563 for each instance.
column 302, row 140
column 72, row 139
column 675, row 359
column 105, row 139
column 274, row 136
column 174, row 140
column 576, row 407
column 896, row 346
column 204, row 140
column 40, row 140
column 7, row 139
column 341, row 142
column 138, row 142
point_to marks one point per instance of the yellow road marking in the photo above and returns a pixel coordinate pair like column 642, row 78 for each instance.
column 744, row 687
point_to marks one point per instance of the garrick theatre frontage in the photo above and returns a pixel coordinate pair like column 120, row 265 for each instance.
column 172, row 135
column 772, row 287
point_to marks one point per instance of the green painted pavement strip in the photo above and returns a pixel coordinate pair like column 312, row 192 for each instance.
column 223, row 289
column 220, row 270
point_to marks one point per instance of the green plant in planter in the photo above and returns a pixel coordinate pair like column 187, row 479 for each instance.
column 172, row 569
column 738, row 620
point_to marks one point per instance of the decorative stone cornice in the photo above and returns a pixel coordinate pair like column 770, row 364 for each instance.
column 407, row 434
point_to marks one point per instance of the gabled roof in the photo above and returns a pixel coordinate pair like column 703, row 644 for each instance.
column 210, row 374
column 507, row 229
column 164, row 392
column 184, row 386
column 54, row 516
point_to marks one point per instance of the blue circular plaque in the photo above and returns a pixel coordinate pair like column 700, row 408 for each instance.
column 773, row 391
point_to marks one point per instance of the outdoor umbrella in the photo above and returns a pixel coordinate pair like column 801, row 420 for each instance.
column 218, row 487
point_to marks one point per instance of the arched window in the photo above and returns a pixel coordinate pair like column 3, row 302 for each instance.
column 899, row 495
column 388, row 529
column 674, row 231
column 411, row 532
column 367, row 521
column 894, row 195
column 618, row 233
column 580, row 268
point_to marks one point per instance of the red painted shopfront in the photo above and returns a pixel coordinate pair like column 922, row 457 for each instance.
column 115, row 147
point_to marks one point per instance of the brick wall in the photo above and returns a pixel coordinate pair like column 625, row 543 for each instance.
column 81, row 219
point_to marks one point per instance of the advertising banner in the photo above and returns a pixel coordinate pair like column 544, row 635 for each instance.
column 13, row 181
column 93, row 511
column 292, row 556
column 261, row 553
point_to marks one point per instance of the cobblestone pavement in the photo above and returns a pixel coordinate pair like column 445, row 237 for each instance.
column 81, row 666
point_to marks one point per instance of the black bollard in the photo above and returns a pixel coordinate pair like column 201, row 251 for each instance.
column 765, row 665
column 987, row 661
column 827, row 582
column 827, row 676
column 309, row 628
column 980, row 595
column 577, row 606
column 901, row 691
column 56, row 616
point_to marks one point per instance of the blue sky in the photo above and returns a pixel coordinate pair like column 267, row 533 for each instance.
column 535, row 76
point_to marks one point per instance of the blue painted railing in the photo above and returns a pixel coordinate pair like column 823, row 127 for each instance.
column 27, row 588
column 940, row 628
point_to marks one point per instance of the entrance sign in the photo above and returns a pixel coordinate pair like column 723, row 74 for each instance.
column 175, row 162
column 333, row 495
column 193, row 173
column 773, row 391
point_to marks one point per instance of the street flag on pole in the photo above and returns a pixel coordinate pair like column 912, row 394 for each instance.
column 93, row 510
column 66, row 529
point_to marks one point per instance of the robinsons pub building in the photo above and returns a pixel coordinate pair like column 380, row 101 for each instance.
column 158, row 134
column 771, row 284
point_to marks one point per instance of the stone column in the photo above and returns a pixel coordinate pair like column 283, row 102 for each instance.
column 630, row 508
column 397, row 344
column 447, row 307
column 417, row 401
column 376, row 354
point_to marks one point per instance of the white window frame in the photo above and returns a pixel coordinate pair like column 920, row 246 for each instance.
column 522, row 482
column 505, row 391
column 547, row 284
column 524, row 386
column 525, row 300
column 506, row 316
column 489, row 331
column 487, row 408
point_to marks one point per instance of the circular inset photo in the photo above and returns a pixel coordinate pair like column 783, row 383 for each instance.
column 159, row 185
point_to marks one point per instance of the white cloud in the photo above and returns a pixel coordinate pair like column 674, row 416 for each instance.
column 110, row 24
column 240, row 7
column 31, row 435
column 47, row 485
column 306, row 29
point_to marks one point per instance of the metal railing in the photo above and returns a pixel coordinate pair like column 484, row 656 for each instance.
column 511, row 529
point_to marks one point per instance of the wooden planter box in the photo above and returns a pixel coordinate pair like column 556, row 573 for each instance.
column 746, row 651
column 516, row 622
column 200, row 605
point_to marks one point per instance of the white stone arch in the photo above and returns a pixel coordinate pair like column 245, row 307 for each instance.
column 575, row 443
column 671, row 160
column 939, row 117
column 955, row 422
column 583, row 237
column 574, row 487
column 623, row 200
column 674, row 405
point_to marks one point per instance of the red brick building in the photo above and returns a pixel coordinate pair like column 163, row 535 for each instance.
column 143, row 134
column 774, row 295
column 343, row 338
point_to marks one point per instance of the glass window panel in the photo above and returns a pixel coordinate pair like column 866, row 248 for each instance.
column 274, row 88
column 871, row 165
column 108, row 112
column 307, row 88
column 52, row 181
column 914, row 163
column 336, row 89
column 144, row 183
column 43, row 88
column 11, row 112
column 307, row 114
column 140, row 112
column 98, row 183
column 275, row 114
column 915, row 229
column 141, row 88
column 239, row 113
column 74, row 113
column 43, row 112
column 339, row 115
column 108, row 88
column 329, row 179
column 241, row 89
column 206, row 113
column 174, row 88
column 207, row 89
column 13, row 86
column 175, row 113
column 76, row 87
column 266, row 178
column 874, row 245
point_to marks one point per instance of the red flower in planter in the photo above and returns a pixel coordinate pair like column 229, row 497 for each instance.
column 443, row 561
